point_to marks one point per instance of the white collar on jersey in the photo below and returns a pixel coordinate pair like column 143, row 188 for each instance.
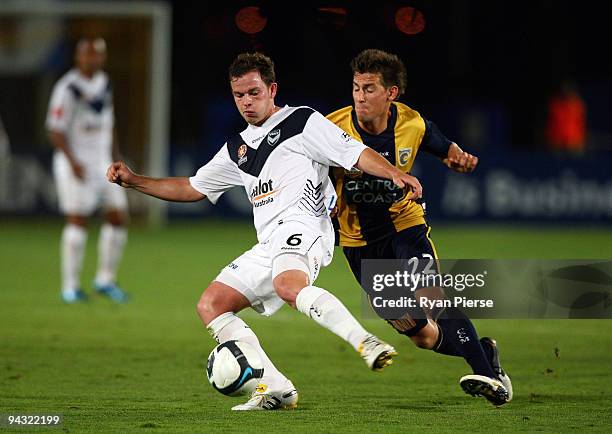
column 270, row 120
column 98, row 74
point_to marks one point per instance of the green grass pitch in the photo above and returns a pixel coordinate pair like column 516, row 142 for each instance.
column 140, row 367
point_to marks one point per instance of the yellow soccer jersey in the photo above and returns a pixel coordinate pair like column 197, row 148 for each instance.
column 371, row 208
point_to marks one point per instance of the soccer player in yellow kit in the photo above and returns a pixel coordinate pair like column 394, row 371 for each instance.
column 376, row 220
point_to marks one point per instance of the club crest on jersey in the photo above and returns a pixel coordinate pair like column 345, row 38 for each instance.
column 273, row 137
column 404, row 156
column 242, row 157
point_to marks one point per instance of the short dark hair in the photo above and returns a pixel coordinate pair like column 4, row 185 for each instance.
column 389, row 66
column 247, row 62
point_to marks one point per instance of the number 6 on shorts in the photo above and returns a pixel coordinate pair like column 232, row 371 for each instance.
column 294, row 240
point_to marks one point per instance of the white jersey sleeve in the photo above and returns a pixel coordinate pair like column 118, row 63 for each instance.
column 217, row 176
column 61, row 107
column 328, row 144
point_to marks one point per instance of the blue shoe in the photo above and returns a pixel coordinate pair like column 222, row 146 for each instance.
column 74, row 296
column 111, row 291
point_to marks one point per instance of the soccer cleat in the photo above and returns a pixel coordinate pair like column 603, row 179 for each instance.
column 264, row 399
column 490, row 388
column 491, row 349
column 111, row 291
column 376, row 353
column 74, row 296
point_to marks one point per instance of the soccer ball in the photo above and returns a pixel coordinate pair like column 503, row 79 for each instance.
column 234, row 368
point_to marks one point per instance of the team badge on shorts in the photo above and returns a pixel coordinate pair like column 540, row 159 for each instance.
column 242, row 157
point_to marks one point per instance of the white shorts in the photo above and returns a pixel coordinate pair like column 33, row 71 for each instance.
column 306, row 244
column 83, row 197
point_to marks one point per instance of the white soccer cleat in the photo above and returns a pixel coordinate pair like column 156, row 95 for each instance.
column 264, row 399
column 491, row 388
column 376, row 353
column 496, row 365
column 505, row 379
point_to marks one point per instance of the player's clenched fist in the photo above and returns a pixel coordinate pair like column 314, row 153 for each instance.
column 459, row 160
column 409, row 182
column 119, row 173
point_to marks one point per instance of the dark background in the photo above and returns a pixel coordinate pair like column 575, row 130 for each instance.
column 500, row 59
column 483, row 71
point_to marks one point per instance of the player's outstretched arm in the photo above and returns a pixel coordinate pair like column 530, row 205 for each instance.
column 459, row 160
column 172, row 189
column 373, row 163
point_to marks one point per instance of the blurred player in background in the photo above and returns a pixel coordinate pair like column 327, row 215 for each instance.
column 282, row 159
column 80, row 124
column 376, row 221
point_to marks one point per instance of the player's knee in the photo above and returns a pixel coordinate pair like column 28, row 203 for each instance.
column 77, row 220
column 422, row 332
column 427, row 337
column 116, row 218
column 288, row 285
column 209, row 307
column 285, row 289
column 218, row 299
column 425, row 342
column 203, row 306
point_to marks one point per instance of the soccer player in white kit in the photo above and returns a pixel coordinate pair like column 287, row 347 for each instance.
column 282, row 160
column 80, row 124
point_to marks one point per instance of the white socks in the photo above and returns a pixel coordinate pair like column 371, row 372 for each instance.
column 227, row 327
column 315, row 302
column 328, row 311
column 73, row 242
column 110, row 249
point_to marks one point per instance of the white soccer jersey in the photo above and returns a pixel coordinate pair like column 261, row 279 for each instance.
column 283, row 165
column 82, row 109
